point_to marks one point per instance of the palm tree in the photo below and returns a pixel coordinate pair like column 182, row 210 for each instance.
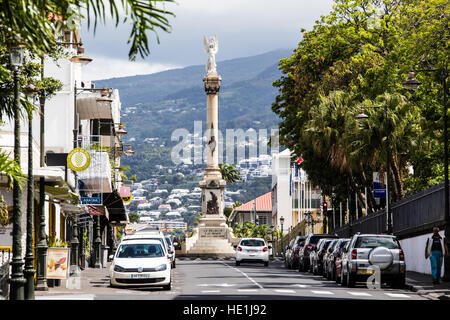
column 229, row 173
column 10, row 169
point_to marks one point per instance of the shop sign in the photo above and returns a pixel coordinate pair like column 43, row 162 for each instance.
column 58, row 263
column 78, row 159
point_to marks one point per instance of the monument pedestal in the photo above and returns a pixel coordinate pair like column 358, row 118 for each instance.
column 212, row 237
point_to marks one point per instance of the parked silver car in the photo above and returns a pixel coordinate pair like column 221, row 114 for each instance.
column 326, row 260
column 316, row 257
column 365, row 250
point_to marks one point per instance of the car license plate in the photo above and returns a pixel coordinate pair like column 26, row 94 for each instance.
column 366, row 271
column 252, row 250
column 136, row 276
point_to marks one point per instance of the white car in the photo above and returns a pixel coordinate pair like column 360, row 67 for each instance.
column 141, row 263
column 252, row 250
column 148, row 235
column 171, row 250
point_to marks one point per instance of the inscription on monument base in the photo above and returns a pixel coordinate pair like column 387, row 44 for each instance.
column 213, row 232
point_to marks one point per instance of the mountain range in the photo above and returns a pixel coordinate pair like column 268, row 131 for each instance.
column 154, row 105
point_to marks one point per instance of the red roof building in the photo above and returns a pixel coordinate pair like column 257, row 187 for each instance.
column 246, row 212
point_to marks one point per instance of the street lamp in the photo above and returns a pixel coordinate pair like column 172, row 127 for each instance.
column 29, row 257
column 80, row 57
column 282, row 247
column 129, row 152
column 17, row 280
column 361, row 117
column 412, row 84
column 42, row 245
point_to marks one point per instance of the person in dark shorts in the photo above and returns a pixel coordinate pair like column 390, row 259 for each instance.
column 435, row 249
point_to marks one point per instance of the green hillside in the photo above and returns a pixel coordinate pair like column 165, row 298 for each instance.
column 154, row 105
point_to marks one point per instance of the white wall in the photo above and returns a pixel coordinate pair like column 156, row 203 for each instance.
column 414, row 249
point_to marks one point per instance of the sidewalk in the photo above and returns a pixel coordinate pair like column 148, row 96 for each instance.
column 423, row 284
column 91, row 281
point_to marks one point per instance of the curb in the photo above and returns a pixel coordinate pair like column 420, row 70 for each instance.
column 413, row 288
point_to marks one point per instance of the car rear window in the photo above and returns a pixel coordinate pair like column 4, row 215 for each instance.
column 326, row 244
column 252, row 243
column 141, row 250
column 169, row 242
column 343, row 244
column 315, row 239
column 373, row 242
column 332, row 245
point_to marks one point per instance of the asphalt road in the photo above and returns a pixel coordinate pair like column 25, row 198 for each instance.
column 221, row 279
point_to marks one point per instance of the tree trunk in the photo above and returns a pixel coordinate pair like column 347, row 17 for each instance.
column 397, row 177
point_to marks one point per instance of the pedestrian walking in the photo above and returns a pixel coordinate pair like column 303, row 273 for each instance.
column 435, row 249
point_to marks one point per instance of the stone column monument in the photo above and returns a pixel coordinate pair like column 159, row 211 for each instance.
column 212, row 236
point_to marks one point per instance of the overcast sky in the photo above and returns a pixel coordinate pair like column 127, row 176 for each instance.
column 243, row 27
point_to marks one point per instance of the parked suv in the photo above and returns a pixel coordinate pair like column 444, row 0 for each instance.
column 310, row 244
column 318, row 254
column 292, row 252
column 298, row 244
column 333, row 255
column 338, row 260
column 365, row 250
column 288, row 254
column 326, row 258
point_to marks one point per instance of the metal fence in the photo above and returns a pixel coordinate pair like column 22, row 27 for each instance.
column 5, row 254
column 418, row 213
column 411, row 216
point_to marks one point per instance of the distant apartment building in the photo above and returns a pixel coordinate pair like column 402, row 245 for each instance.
column 293, row 195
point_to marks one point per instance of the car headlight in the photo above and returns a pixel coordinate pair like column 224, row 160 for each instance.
column 119, row 268
column 161, row 267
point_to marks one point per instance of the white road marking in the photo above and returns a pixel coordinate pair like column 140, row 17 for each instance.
column 321, row 292
column 256, row 283
column 284, row 291
column 397, row 295
column 210, row 291
column 247, row 290
column 300, row 285
column 364, row 294
column 225, row 285
column 67, row 297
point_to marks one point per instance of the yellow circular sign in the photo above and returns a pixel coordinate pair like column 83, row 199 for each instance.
column 127, row 200
column 78, row 159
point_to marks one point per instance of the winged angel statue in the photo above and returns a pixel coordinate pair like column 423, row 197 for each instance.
column 211, row 47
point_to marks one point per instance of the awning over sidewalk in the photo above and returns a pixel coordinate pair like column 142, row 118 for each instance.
column 114, row 203
column 61, row 192
column 50, row 173
column 83, row 217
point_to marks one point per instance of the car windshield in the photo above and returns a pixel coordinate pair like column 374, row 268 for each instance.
column 252, row 243
column 140, row 250
column 169, row 242
column 373, row 242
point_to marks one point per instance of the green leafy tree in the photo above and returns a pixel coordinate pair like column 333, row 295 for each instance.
column 133, row 217
column 39, row 23
column 229, row 172
column 355, row 56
